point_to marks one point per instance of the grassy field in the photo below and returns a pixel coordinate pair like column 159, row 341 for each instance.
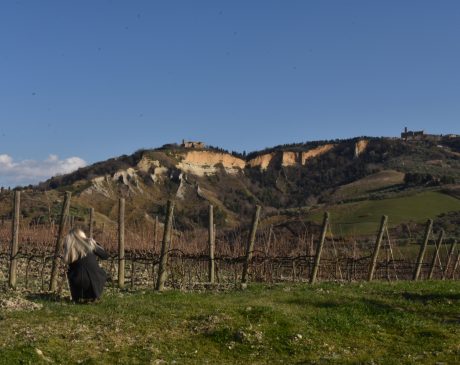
column 364, row 217
column 380, row 180
column 378, row 323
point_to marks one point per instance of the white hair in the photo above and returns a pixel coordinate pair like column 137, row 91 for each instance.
column 77, row 245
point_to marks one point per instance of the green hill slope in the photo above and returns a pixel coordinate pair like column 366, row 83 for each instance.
column 363, row 217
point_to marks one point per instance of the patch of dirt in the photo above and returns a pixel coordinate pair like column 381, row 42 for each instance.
column 208, row 324
column 18, row 304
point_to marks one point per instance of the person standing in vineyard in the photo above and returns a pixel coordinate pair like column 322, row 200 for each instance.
column 86, row 277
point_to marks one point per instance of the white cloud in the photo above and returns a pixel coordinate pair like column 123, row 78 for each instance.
column 26, row 172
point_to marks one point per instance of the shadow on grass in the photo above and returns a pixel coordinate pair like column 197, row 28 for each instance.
column 305, row 302
column 424, row 298
column 378, row 308
column 327, row 305
column 368, row 306
column 452, row 320
column 56, row 298
column 48, row 297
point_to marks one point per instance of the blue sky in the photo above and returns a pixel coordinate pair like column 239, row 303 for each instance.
column 83, row 81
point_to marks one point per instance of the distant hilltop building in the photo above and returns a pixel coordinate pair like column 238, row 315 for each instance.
column 412, row 135
column 419, row 136
column 193, row 144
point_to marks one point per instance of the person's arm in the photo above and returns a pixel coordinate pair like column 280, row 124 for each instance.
column 101, row 253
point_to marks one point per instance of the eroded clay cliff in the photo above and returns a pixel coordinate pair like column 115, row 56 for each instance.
column 202, row 163
column 288, row 158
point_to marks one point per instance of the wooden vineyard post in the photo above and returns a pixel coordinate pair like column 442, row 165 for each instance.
column 155, row 233
column 121, row 243
column 269, row 241
column 133, row 272
column 154, row 245
column 250, row 247
column 60, row 240
column 457, row 262
column 378, row 243
column 163, row 270
column 449, row 259
column 266, row 251
column 212, row 246
column 14, row 240
column 319, row 249
column 388, row 264
column 421, row 255
column 91, row 222
column 436, row 254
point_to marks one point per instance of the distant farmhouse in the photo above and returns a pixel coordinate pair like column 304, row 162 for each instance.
column 193, row 144
column 422, row 136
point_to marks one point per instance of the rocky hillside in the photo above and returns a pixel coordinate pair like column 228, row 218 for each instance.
column 280, row 178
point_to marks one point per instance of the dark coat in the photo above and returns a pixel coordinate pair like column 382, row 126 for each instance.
column 86, row 278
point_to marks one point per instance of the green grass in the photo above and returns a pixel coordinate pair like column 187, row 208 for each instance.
column 378, row 323
column 364, row 217
column 380, row 180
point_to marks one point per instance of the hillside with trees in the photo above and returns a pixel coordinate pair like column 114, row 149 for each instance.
column 148, row 178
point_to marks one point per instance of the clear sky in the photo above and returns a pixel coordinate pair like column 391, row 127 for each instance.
column 83, row 81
